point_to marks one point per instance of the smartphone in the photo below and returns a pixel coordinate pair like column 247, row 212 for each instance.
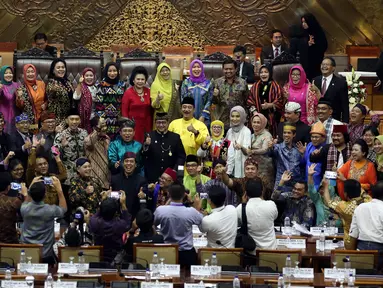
column 203, row 195
column 15, row 186
column 115, row 194
column 55, row 151
column 48, row 181
column 180, row 172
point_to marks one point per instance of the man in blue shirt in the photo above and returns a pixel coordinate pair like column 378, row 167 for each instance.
column 177, row 221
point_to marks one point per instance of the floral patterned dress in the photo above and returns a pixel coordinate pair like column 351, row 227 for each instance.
column 78, row 195
column 59, row 99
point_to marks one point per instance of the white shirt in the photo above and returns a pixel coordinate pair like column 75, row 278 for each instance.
column 367, row 222
column 260, row 222
column 240, row 69
column 220, row 225
column 276, row 48
column 236, row 158
column 328, row 81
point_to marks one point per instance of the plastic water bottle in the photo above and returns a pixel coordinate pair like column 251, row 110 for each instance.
column 23, row 261
column 214, row 268
column 81, row 266
column 287, row 226
column 8, row 276
column 49, row 281
column 201, row 284
column 236, row 282
column 288, row 262
column 155, row 269
column 148, row 277
column 280, row 281
column 351, row 280
column 322, row 241
column 286, row 277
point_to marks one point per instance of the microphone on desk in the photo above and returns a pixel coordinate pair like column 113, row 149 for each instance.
column 218, row 242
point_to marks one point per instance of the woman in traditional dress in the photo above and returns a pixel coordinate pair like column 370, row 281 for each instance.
column 259, row 149
column 86, row 92
column 358, row 168
column 31, row 96
column 266, row 97
column 108, row 98
column 200, row 89
column 214, row 147
column 301, row 91
column 59, row 91
column 8, row 90
column 136, row 103
column 240, row 136
column 164, row 93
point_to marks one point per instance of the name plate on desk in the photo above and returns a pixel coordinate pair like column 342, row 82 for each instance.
column 300, row 273
column 168, row 269
column 67, row 268
column 292, row 243
column 200, row 242
column 327, row 230
column 62, row 284
column 35, row 268
column 156, row 285
column 18, row 284
column 337, row 273
column 199, row 270
column 196, row 285
column 329, row 245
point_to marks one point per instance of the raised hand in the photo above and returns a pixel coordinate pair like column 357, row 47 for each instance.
column 141, row 194
column 301, row 148
column 237, row 146
column 27, row 144
column 117, row 164
column 148, row 140
column 207, row 139
column 160, row 96
column 81, row 79
column 311, row 170
column 215, row 92
column 191, row 128
column 35, row 142
column 286, row 176
column 316, row 151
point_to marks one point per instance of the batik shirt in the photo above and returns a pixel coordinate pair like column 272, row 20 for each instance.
column 79, row 197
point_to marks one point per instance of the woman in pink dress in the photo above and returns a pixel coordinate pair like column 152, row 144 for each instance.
column 300, row 90
column 8, row 98
column 136, row 103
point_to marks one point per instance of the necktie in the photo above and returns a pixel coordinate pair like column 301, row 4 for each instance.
column 323, row 90
column 276, row 52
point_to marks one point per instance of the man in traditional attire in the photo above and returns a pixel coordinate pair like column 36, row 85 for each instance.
column 325, row 111
column 192, row 131
column 162, row 149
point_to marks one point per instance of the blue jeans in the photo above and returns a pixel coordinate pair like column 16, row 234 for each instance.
column 368, row 245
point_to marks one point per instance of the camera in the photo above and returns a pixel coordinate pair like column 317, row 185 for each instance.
column 48, row 181
column 115, row 195
column 15, row 186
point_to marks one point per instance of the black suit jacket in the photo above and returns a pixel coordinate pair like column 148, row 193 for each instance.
column 268, row 53
column 337, row 94
column 17, row 143
column 51, row 50
column 379, row 68
column 302, row 134
column 247, row 72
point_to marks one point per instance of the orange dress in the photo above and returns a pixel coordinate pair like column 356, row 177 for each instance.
column 363, row 171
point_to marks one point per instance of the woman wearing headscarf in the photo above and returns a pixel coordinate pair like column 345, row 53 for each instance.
column 7, row 98
column 301, row 91
column 317, row 43
column 259, row 149
column 200, row 89
column 214, row 148
column 59, row 91
column 240, row 136
column 136, row 103
column 356, row 126
column 86, row 92
column 31, row 96
column 266, row 97
column 108, row 98
column 164, row 93
column 378, row 147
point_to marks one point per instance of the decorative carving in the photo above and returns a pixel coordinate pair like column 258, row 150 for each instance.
column 285, row 58
column 217, row 57
column 150, row 24
column 81, row 51
column 138, row 53
column 36, row 52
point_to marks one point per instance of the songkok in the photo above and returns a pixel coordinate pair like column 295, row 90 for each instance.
column 188, row 100
column 127, row 123
column 81, row 161
column 325, row 101
column 21, row 117
column 171, row 173
column 251, row 161
column 191, row 158
column 339, row 129
column 318, row 128
column 129, row 155
column 289, row 127
column 293, row 107
column 219, row 161
column 162, row 116
column 47, row 115
column 73, row 112
column 362, row 108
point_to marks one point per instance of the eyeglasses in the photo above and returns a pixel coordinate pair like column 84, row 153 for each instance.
column 296, row 75
column 191, row 165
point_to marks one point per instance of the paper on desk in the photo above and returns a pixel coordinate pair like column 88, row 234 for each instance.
column 302, row 229
column 62, row 284
column 156, row 285
column 13, row 284
column 35, row 268
column 196, row 285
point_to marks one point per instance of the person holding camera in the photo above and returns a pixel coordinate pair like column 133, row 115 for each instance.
column 85, row 190
column 38, row 165
column 107, row 228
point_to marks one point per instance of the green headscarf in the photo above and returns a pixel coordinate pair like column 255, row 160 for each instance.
column 2, row 72
column 379, row 157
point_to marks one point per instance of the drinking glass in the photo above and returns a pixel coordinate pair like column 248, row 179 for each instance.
column 162, row 267
column 29, row 262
